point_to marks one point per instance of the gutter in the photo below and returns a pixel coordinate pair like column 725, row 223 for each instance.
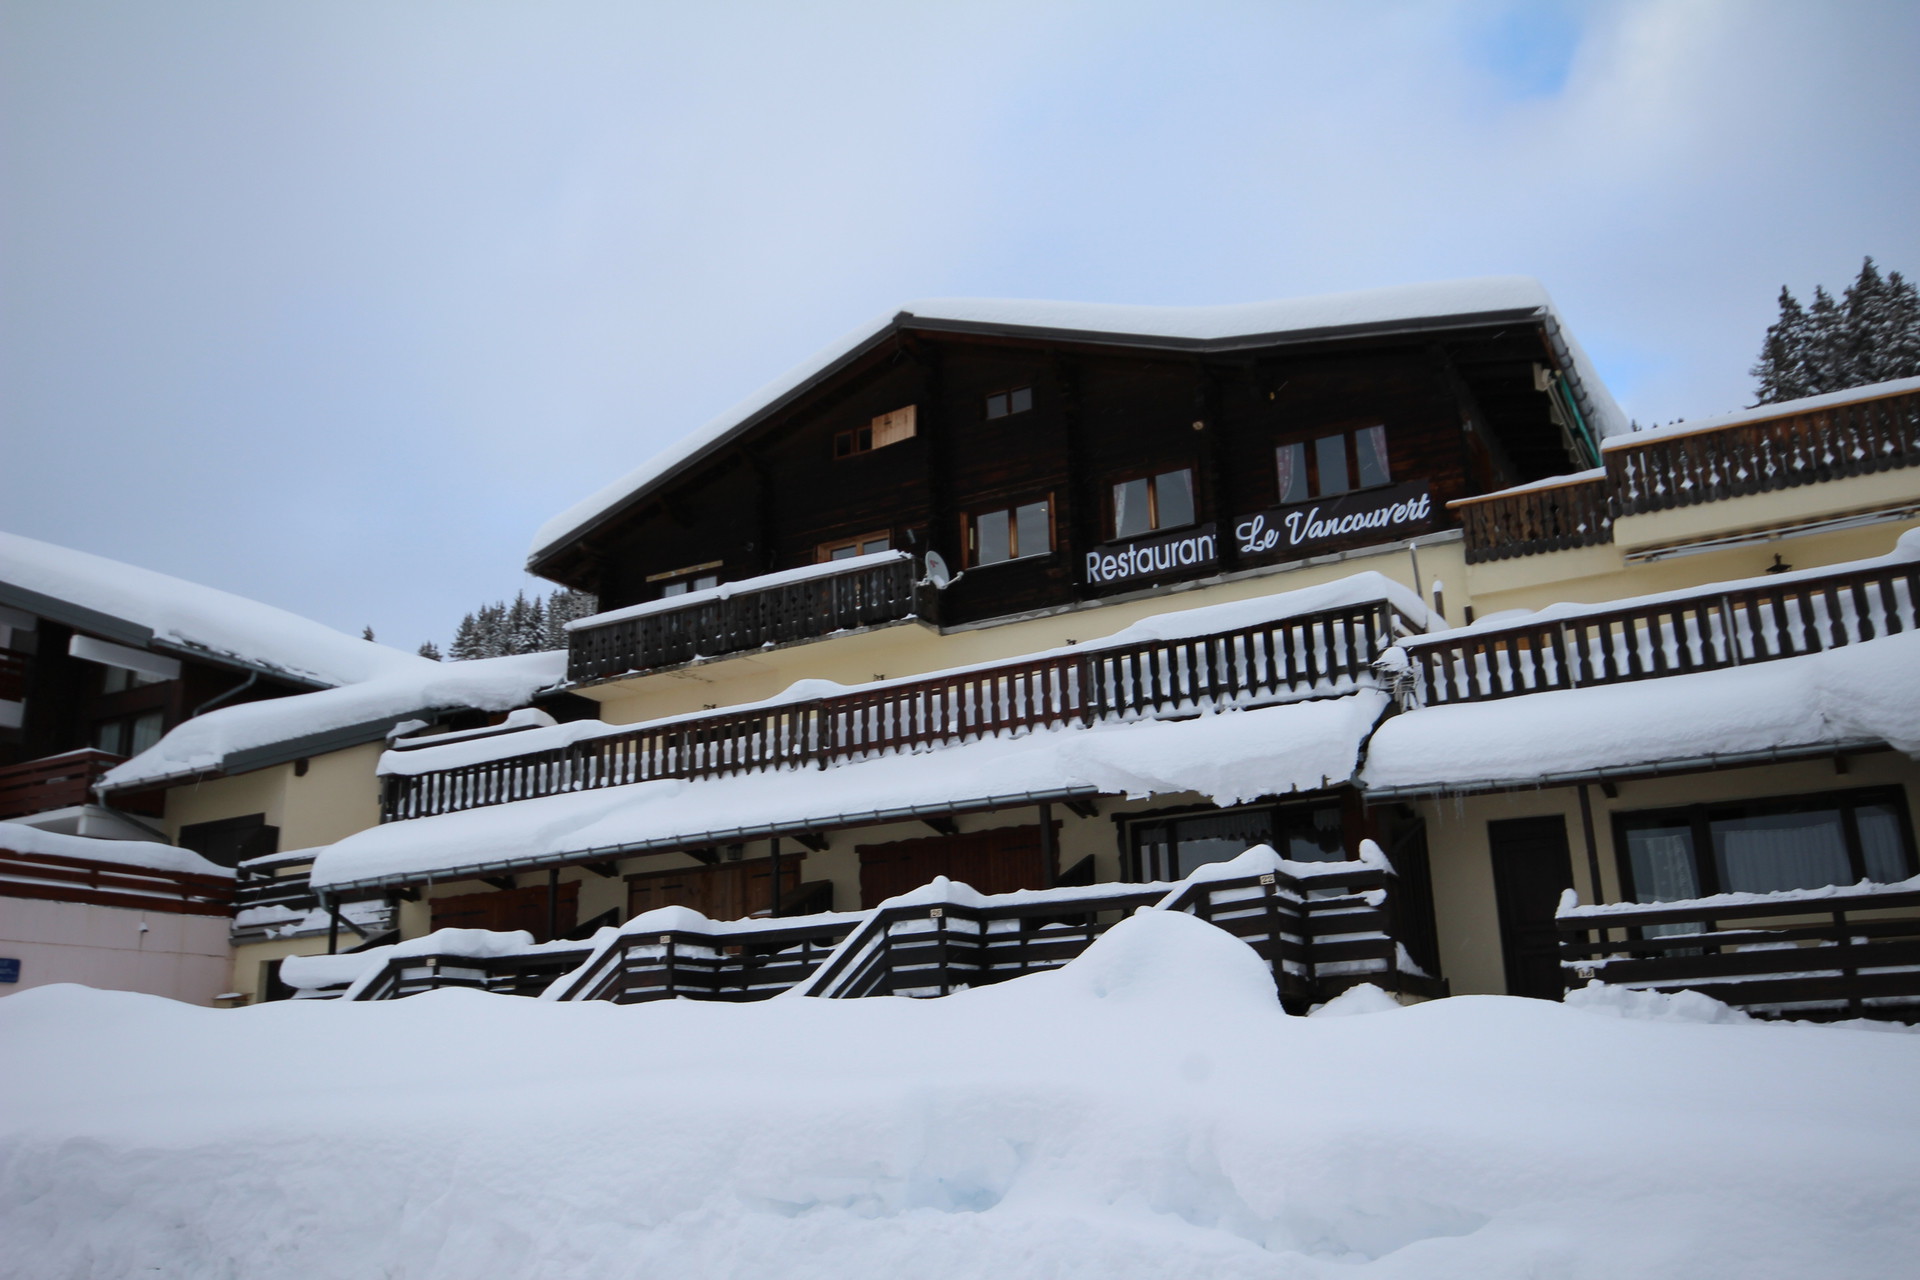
column 719, row 835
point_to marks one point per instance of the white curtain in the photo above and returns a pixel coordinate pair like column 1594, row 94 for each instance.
column 1781, row 851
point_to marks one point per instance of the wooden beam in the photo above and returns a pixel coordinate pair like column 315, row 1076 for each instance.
column 553, row 904
column 707, row 857
column 773, row 856
column 1083, row 808
column 812, row 841
column 500, row 882
column 943, row 826
column 605, row 870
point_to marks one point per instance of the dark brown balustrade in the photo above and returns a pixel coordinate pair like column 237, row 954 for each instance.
column 1822, row 953
column 1319, row 654
column 1576, row 513
column 1671, row 636
column 1881, row 434
column 746, row 619
column 52, row 782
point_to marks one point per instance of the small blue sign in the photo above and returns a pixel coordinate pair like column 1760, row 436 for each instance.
column 9, row 970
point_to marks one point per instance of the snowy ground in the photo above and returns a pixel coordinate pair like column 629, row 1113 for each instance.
column 1148, row 1112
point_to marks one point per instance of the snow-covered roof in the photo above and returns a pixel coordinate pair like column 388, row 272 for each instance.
column 138, row 606
column 1764, row 412
column 221, row 740
column 1858, row 695
column 1437, row 304
column 1230, row 757
column 147, row 855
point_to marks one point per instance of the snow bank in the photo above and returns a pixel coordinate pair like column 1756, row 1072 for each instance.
column 1860, row 693
column 1230, row 757
column 204, row 743
column 147, row 854
column 1277, row 319
column 1175, row 624
column 1147, row 1111
column 186, row 615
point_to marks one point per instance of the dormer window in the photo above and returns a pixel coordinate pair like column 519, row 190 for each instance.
column 1342, row 462
column 888, row 428
column 1004, row 404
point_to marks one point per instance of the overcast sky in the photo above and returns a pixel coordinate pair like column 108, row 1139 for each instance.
column 333, row 304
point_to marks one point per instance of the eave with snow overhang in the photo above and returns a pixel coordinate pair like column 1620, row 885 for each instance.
column 1807, row 664
column 1110, row 393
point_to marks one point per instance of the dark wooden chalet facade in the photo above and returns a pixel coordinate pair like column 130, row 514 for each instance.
column 1049, row 467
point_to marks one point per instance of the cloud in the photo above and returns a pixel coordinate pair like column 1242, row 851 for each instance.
column 333, row 305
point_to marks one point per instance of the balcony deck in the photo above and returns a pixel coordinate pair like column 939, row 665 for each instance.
column 1314, row 655
column 791, row 607
column 1671, row 469
column 1669, row 635
column 52, row 782
column 1824, row 953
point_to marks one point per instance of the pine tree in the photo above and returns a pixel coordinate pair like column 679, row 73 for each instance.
column 430, row 650
column 526, row 630
column 492, row 623
column 1872, row 334
column 563, row 607
column 467, row 641
column 1781, row 369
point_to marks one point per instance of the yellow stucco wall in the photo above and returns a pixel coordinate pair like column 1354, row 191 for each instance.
column 1465, row 909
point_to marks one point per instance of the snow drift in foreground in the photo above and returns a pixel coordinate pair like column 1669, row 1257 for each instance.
column 1146, row 1112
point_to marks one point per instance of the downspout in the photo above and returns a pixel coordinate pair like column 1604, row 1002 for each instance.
column 1579, row 420
column 253, row 678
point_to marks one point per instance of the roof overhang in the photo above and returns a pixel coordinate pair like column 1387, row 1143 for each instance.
column 699, row 839
column 1623, row 772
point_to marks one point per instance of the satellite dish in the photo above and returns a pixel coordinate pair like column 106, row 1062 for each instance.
column 937, row 570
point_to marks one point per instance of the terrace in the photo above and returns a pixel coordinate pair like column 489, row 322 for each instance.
column 1672, row 468
column 1843, row 952
column 1317, row 655
column 777, row 609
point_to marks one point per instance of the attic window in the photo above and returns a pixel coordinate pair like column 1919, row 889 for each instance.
column 1004, row 404
column 888, row 428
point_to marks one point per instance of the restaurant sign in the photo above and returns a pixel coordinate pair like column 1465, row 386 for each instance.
column 1153, row 555
column 1345, row 520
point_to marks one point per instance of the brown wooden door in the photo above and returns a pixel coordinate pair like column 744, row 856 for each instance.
column 996, row 861
column 507, row 909
column 1530, row 871
column 727, row 891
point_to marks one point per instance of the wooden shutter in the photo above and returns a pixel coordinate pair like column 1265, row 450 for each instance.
column 996, row 861
column 891, row 428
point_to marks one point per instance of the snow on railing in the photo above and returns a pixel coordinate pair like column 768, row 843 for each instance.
column 1321, row 654
column 1668, row 635
column 1851, row 950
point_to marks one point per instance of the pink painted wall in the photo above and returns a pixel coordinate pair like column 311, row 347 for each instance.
column 182, row 957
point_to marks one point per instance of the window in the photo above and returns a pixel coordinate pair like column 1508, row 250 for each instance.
column 1010, row 534
column 1170, row 848
column 1004, row 404
column 1341, row 463
column 130, row 735
column 1758, row 846
column 685, row 585
column 1163, row 501
column 229, row 841
column 847, row 548
column 888, row 428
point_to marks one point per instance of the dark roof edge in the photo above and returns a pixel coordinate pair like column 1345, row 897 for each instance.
column 905, row 320
column 284, row 752
column 68, row 614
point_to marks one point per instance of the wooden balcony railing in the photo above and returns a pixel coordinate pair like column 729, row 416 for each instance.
column 13, row 675
column 54, row 878
column 525, row 974
column 52, row 782
column 1314, row 655
column 1881, row 434
column 746, row 962
column 1669, row 636
column 1318, row 933
column 746, row 619
column 1576, row 513
column 1822, row 953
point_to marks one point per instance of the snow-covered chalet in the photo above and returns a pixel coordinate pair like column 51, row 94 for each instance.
column 1363, row 626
